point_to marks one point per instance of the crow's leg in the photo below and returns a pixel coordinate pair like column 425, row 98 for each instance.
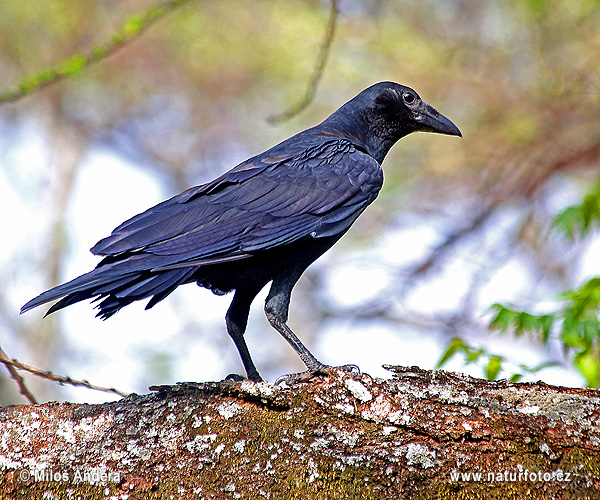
column 236, row 320
column 276, row 310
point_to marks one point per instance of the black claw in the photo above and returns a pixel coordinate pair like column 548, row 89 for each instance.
column 353, row 369
column 234, row 377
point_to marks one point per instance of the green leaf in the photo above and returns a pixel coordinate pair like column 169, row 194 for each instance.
column 454, row 346
column 578, row 219
column 572, row 339
column 472, row 355
column 569, row 222
column 503, row 319
column 493, row 367
column 588, row 364
column 521, row 321
column 590, row 210
column 525, row 322
column 590, row 331
column 546, row 326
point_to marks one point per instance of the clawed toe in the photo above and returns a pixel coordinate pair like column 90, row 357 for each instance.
column 353, row 369
column 234, row 377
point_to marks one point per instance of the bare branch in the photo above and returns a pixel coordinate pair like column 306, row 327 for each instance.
column 61, row 379
column 16, row 377
column 131, row 29
column 309, row 94
column 441, row 249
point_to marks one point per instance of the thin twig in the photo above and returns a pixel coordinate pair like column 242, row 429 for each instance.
column 309, row 94
column 61, row 379
column 458, row 235
column 16, row 377
column 132, row 28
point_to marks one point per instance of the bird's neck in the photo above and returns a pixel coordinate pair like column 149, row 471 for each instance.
column 374, row 138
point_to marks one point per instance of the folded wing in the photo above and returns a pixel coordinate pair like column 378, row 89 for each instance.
column 317, row 193
column 266, row 202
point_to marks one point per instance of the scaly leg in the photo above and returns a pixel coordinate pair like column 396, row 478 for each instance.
column 236, row 321
column 276, row 310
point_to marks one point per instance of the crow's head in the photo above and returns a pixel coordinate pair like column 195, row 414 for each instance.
column 401, row 108
column 386, row 112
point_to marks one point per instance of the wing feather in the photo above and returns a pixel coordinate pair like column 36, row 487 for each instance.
column 317, row 192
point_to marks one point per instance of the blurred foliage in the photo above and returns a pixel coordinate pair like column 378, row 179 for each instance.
column 577, row 220
column 190, row 97
column 492, row 365
column 578, row 318
column 575, row 323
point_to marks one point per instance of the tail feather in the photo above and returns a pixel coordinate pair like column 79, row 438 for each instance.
column 168, row 287
column 113, row 289
column 84, row 283
column 72, row 298
column 113, row 285
column 157, row 286
column 145, row 286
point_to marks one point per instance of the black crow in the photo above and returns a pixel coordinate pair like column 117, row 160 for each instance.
column 266, row 220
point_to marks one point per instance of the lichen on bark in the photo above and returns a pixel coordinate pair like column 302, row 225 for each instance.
column 420, row 434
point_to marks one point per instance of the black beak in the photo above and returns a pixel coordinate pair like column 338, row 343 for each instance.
column 429, row 119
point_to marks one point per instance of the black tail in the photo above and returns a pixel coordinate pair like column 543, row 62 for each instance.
column 114, row 287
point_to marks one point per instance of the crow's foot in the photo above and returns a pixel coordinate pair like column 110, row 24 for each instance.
column 234, row 377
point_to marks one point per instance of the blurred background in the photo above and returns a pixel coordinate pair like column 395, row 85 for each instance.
column 461, row 224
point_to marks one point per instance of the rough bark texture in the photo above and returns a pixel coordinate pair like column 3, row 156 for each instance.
column 417, row 435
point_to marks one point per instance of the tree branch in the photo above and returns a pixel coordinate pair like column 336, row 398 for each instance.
column 422, row 434
column 11, row 364
column 133, row 27
column 320, row 64
column 16, row 377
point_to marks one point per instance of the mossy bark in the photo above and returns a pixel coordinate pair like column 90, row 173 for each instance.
column 422, row 434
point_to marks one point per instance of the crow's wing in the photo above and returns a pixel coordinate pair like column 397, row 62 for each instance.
column 260, row 204
column 269, row 201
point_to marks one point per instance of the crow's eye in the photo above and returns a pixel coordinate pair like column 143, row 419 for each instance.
column 408, row 98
